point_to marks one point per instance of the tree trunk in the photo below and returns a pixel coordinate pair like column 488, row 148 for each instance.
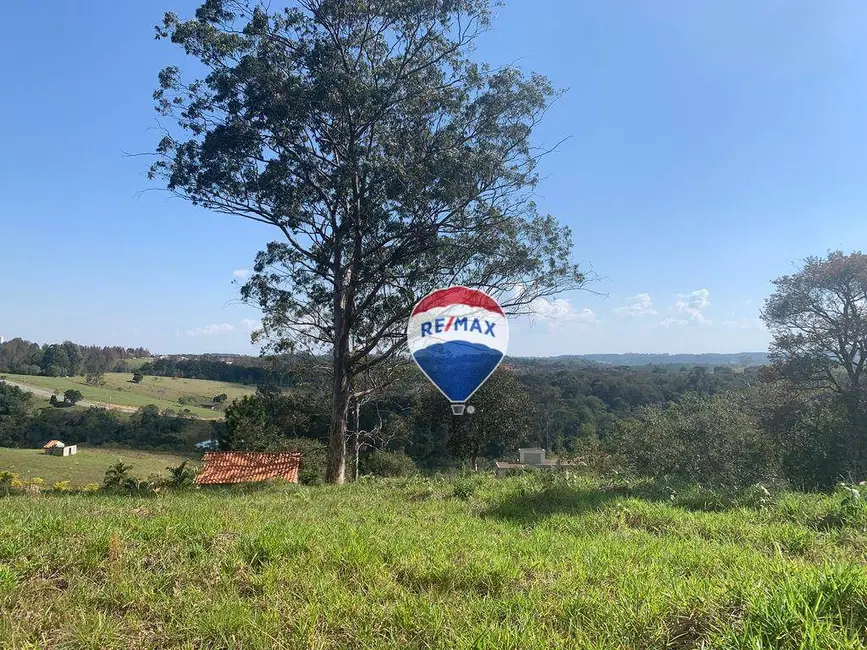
column 357, row 438
column 336, row 472
column 474, row 463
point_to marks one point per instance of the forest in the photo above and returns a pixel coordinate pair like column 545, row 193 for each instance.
column 66, row 359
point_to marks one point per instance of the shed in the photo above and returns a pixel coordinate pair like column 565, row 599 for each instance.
column 532, row 455
column 224, row 467
column 64, row 450
column 50, row 445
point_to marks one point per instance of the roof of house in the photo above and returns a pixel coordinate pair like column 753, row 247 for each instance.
column 53, row 443
column 248, row 467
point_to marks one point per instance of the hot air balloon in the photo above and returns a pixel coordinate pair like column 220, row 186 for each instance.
column 458, row 337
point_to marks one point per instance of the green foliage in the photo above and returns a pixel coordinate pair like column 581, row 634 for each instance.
column 61, row 486
column 72, row 396
column 264, row 421
column 219, row 399
column 466, row 486
column 707, row 441
column 818, row 318
column 449, row 203
column 313, row 459
column 387, row 464
column 181, row 475
column 501, row 419
column 118, row 476
column 95, row 378
column 137, row 377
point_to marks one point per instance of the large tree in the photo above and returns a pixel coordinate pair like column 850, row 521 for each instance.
column 389, row 163
column 818, row 317
column 502, row 419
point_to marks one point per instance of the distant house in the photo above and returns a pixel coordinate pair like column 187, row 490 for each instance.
column 208, row 444
column 528, row 457
column 57, row 448
column 51, row 444
column 224, row 467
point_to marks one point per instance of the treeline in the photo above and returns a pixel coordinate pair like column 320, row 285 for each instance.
column 565, row 407
column 66, row 359
column 23, row 426
column 203, row 368
column 561, row 410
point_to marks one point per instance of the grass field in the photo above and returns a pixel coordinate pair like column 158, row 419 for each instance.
column 164, row 392
column 87, row 466
column 518, row 563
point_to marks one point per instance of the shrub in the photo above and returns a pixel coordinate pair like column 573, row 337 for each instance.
column 387, row 464
column 314, row 461
column 466, row 486
column 118, row 475
column 61, row 486
column 706, row 441
column 181, row 475
column 6, row 479
column 850, row 508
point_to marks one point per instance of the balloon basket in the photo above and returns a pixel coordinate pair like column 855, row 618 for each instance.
column 458, row 409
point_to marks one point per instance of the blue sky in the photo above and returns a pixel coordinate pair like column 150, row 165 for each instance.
column 711, row 146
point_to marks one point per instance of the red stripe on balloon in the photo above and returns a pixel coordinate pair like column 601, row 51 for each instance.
column 457, row 296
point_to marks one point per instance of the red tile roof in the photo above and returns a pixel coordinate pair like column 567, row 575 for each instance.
column 51, row 443
column 248, row 467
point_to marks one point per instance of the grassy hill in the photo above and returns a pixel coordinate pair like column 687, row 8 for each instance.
column 87, row 466
column 514, row 564
column 164, row 392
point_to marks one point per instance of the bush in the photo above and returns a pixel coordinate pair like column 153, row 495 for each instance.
column 61, row 486
column 118, row 476
column 181, row 475
column 466, row 486
column 706, row 441
column 387, row 464
column 850, row 508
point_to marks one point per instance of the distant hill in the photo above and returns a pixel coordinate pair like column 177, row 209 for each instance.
column 741, row 359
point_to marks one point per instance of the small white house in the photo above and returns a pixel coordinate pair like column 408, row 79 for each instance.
column 58, row 448
column 532, row 456
column 528, row 457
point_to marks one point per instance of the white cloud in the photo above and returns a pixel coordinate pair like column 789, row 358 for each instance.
column 640, row 305
column 691, row 304
column 746, row 324
column 241, row 273
column 251, row 325
column 674, row 322
column 560, row 310
column 223, row 328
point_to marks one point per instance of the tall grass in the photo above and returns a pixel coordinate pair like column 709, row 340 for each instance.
column 525, row 562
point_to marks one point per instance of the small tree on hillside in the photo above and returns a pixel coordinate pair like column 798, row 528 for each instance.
column 137, row 377
column 95, row 378
column 72, row 396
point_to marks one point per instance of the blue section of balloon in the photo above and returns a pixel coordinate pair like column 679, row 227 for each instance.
column 457, row 367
